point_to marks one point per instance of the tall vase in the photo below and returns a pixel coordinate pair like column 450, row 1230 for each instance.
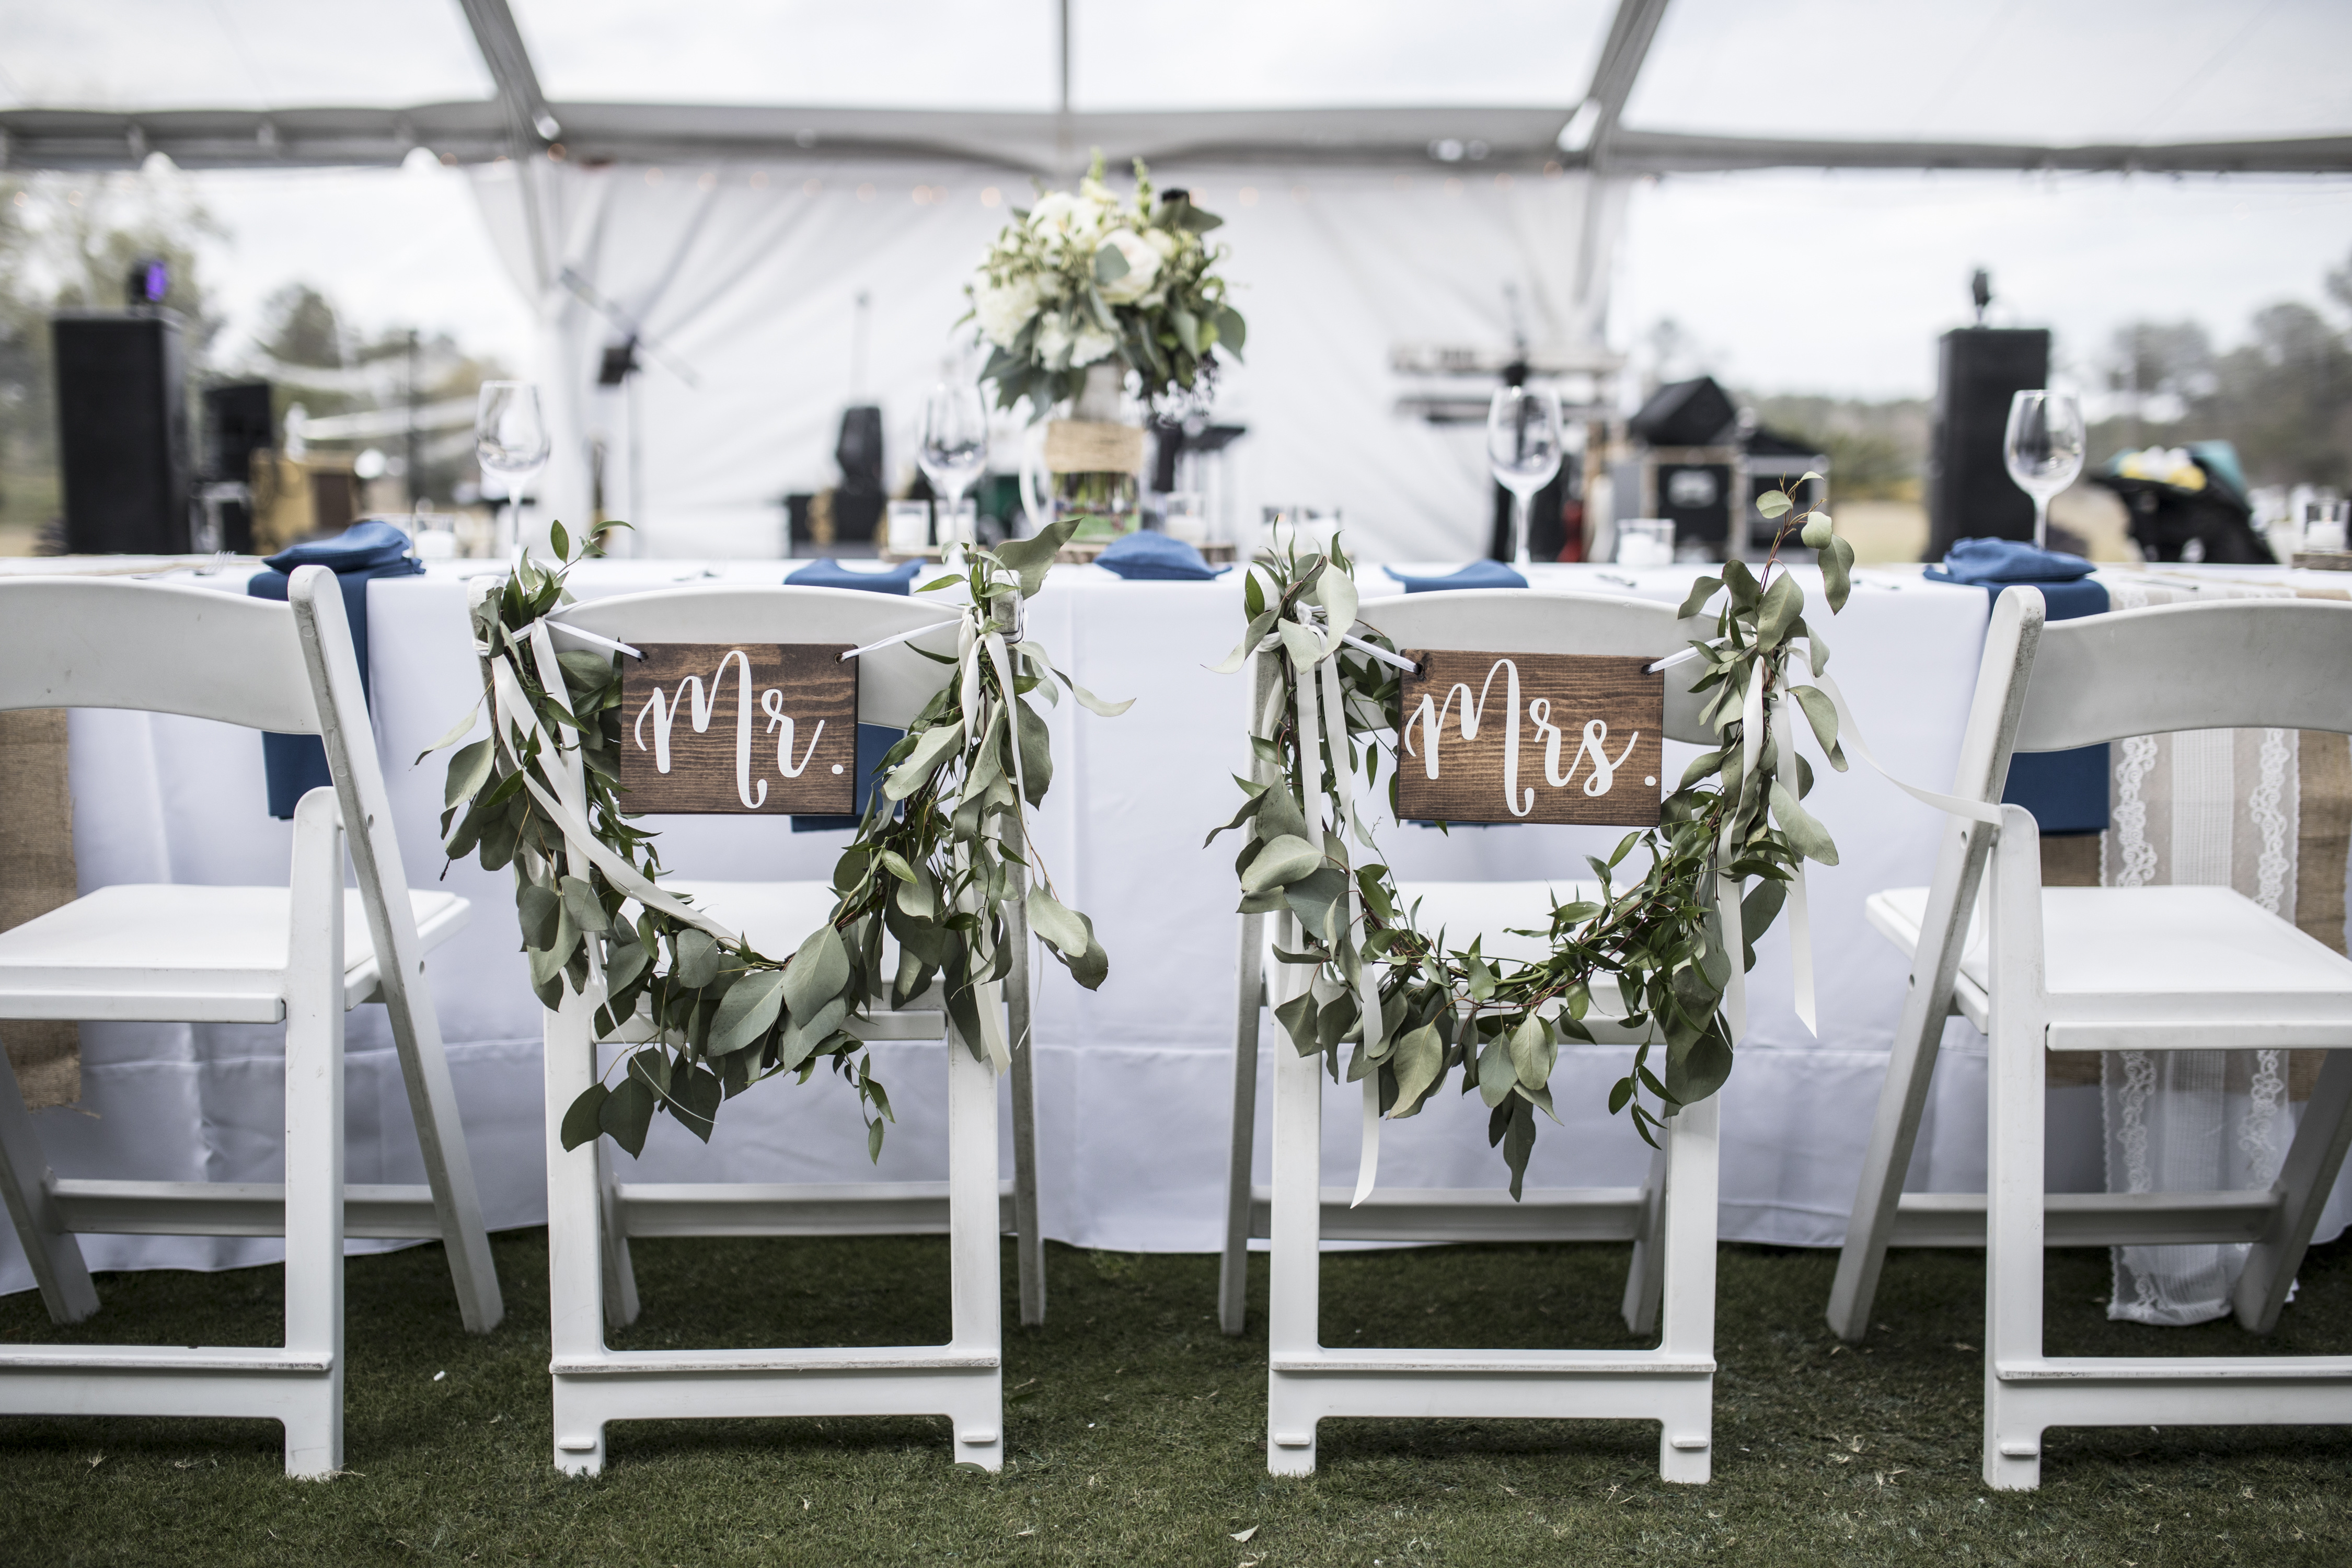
column 1090, row 460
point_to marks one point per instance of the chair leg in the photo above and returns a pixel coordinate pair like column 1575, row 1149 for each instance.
column 51, row 1249
column 1029, row 1245
column 2304, row 1182
column 1249, row 990
column 2014, row 1176
column 1886, row 1164
column 314, row 1137
column 575, row 1231
column 620, row 1269
column 975, row 1282
column 1295, row 1288
column 449, row 1163
column 1645, row 1280
column 1694, row 1140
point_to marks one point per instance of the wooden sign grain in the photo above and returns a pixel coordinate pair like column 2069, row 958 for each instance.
column 751, row 729
column 1520, row 737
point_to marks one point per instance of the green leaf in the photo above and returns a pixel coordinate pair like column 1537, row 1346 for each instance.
column 1111, row 265
column 1772, row 503
column 562, row 540
column 697, row 959
column 930, row 751
column 1822, row 715
column 1495, row 1073
column 584, row 1118
column 1757, row 910
column 1783, row 603
column 1837, row 569
column 469, row 769
column 1071, row 935
column 1533, row 1052
column 1696, row 600
column 1811, row 838
column 1232, row 331
column 1036, row 751
column 1284, row 860
column 1418, row 1059
column 747, row 1012
column 626, row 1113
column 580, row 901
column 1518, row 1142
column 1699, row 1068
column 817, row 972
column 541, row 911
column 1296, row 1017
column 694, row 1098
column 1030, row 559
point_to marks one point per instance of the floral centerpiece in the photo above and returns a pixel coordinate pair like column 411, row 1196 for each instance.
column 1080, row 288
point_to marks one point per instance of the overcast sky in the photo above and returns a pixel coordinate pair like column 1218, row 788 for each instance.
column 1797, row 281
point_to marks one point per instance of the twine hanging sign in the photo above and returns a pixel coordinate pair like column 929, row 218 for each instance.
column 751, row 729
column 1517, row 737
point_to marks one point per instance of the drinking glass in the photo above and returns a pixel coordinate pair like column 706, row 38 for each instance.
column 1183, row 518
column 2044, row 450
column 510, row 442
column 954, row 452
column 1523, row 443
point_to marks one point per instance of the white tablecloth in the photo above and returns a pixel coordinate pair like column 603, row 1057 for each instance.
column 1134, row 1080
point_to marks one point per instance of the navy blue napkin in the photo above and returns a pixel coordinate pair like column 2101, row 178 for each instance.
column 874, row 741
column 2066, row 791
column 830, row 573
column 1477, row 575
column 1146, row 555
column 297, row 765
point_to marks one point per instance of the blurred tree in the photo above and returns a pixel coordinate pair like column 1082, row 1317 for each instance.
column 1877, row 449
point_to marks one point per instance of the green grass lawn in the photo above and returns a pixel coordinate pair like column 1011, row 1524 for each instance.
column 1136, row 1431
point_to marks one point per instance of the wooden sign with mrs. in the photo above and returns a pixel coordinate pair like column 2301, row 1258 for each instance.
column 765, row 729
column 1522, row 737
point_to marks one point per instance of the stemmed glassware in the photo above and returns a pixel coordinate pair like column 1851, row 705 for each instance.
column 954, row 451
column 510, row 441
column 2043, row 448
column 1523, row 443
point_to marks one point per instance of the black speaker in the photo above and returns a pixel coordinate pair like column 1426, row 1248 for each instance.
column 1696, row 413
column 1969, row 492
column 122, row 432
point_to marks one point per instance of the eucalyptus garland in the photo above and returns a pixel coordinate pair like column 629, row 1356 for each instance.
column 1656, row 941
column 942, row 848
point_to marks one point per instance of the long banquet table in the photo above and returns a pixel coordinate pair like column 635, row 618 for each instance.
column 1134, row 1080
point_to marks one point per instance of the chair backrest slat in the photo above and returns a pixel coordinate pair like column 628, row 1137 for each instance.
column 893, row 683
column 1514, row 620
column 2234, row 664
column 160, row 648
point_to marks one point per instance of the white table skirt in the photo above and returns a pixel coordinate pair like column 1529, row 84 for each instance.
column 1133, row 1081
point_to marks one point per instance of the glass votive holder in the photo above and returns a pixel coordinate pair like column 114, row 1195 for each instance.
column 1645, row 541
column 958, row 523
column 1184, row 519
column 907, row 531
column 2324, row 526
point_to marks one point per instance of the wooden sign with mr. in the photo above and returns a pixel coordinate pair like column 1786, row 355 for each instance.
column 755, row 729
column 1530, row 737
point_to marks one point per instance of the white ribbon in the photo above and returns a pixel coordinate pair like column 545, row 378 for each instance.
column 1801, row 920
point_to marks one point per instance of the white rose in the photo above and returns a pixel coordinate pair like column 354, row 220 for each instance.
column 1160, row 240
column 1005, row 310
column 1092, row 343
column 1143, row 267
column 1053, row 213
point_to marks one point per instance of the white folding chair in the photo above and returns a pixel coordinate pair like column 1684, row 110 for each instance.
column 2112, row 969
column 1669, row 1218
column 303, row 955
column 593, row 1217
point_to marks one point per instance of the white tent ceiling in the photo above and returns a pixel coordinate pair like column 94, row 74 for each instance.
column 1702, row 84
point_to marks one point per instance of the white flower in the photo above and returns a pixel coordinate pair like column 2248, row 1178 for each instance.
column 1142, row 267
column 1053, row 213
column 1092, row 343
column 1052, row 344
column 1160, row 240
column 1005, row 309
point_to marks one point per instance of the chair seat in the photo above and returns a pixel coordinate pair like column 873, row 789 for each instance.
column 2159, row 968
column 175, row 951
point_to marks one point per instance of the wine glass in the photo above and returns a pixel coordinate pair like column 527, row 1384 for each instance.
column 2043, row 448
column 510, row 441
column 1523, row 444
column 954, row 451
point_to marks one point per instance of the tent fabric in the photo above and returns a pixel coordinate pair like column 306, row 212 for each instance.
column 744, row 283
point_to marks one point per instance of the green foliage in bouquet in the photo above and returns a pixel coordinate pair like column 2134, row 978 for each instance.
column 943, row 844
column 1653, row 941
column 1077, row 279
